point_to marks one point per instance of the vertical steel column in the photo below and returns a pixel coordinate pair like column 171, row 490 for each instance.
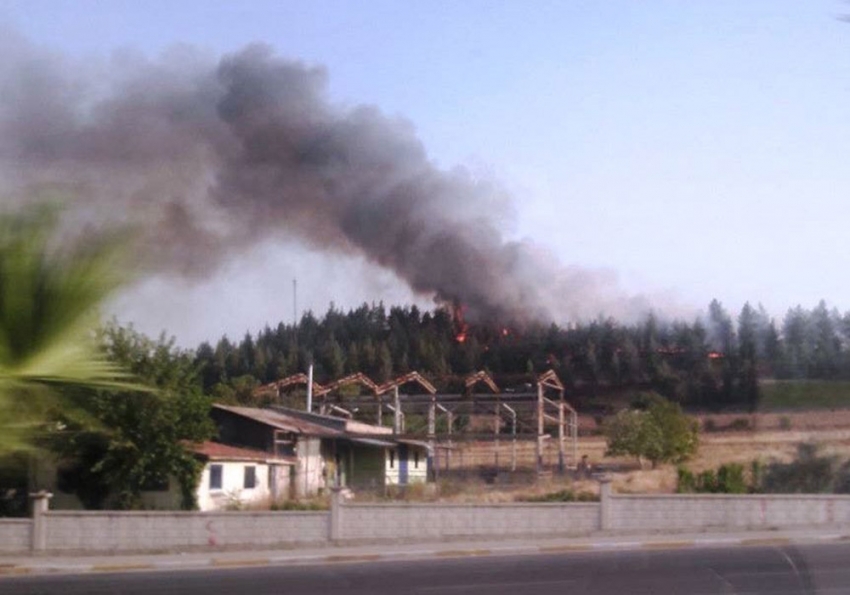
column 450, row 420
column 574, row 423
column 539, row 428
column 512, row 411
column 432, row 431
column 397, row 412
column 497, row 426
column 561, row 423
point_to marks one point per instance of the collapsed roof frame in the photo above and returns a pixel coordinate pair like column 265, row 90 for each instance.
column 536, row 411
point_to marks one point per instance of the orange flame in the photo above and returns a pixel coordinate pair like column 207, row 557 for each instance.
column 457, row 311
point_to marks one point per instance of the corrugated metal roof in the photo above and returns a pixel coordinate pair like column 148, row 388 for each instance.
column 215, row 451
column 284, row 422
column 340, row 424
column 373, row 442
column 418, row 443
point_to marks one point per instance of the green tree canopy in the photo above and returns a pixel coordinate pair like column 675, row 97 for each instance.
column 658, row 432
column 139, row 439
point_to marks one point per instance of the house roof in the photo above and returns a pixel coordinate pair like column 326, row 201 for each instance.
column 215, row 451
column 282, row 421
column 350, row 426
column 417, row 443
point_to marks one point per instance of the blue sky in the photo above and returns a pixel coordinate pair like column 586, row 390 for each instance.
column 694, row 148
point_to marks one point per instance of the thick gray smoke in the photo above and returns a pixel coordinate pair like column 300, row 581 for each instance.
column 208, row 157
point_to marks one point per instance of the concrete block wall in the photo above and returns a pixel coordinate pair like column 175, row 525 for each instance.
column 15, row 535
column 92, row 532
column 411, row 522
column 140, row 531
column 717, row 511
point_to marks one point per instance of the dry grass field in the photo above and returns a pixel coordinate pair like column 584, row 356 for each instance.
column 768, row 443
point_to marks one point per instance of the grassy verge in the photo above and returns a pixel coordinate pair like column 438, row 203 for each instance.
column 778, row 395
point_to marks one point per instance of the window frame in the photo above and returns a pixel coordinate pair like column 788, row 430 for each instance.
column 249, row 471
column 216, row 469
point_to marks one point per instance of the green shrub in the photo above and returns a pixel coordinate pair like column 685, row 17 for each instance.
column 302, row 505
column 707, row 482
column 784, row 423
column 756, row 476
column 730, row 479
column 565, row 495
column 810, row 473
column 657, row 431
column 686, row 482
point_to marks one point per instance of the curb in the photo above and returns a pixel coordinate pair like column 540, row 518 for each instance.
column 11, row 570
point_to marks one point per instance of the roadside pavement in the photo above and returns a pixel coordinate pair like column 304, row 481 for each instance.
column 63, row 564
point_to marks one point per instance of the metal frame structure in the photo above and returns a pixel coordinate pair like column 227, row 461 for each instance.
column 541, row 415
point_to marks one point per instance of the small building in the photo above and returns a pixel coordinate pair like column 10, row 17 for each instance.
column 407, row 463
column 235, row 477
column 328, row 451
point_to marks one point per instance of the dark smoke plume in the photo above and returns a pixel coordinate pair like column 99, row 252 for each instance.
column 206, row 158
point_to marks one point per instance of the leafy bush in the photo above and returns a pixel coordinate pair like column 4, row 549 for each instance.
column 728, row 479
column 302, row 505
column 659, row 432
column 810, row 473
column 784, row 423
column 565, row 495
column 686, row 481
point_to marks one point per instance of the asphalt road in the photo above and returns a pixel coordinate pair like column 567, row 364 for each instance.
column 782, row 569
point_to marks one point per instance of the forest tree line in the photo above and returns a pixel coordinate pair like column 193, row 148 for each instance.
column 713, row 362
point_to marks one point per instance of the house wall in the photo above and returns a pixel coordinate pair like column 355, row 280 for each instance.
column 309, row 469
column 233, row 494
column 369, row 467
column 417, row 469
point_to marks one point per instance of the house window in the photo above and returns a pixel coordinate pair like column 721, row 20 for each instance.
column 215, row 477
column 416, row 459
column 392, row 459
column 250, row 477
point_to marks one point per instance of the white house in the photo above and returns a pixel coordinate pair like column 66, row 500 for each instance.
column 235, row 477
column 406, row 463
column 328, row 450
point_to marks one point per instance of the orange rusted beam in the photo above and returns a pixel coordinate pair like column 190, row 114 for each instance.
column 404, row 379
column 358, row 378
column 551, row 380
column 481, row 376
column 295, row 379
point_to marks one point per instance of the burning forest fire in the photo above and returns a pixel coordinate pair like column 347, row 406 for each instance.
column 462, row 328
column 457, row 312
